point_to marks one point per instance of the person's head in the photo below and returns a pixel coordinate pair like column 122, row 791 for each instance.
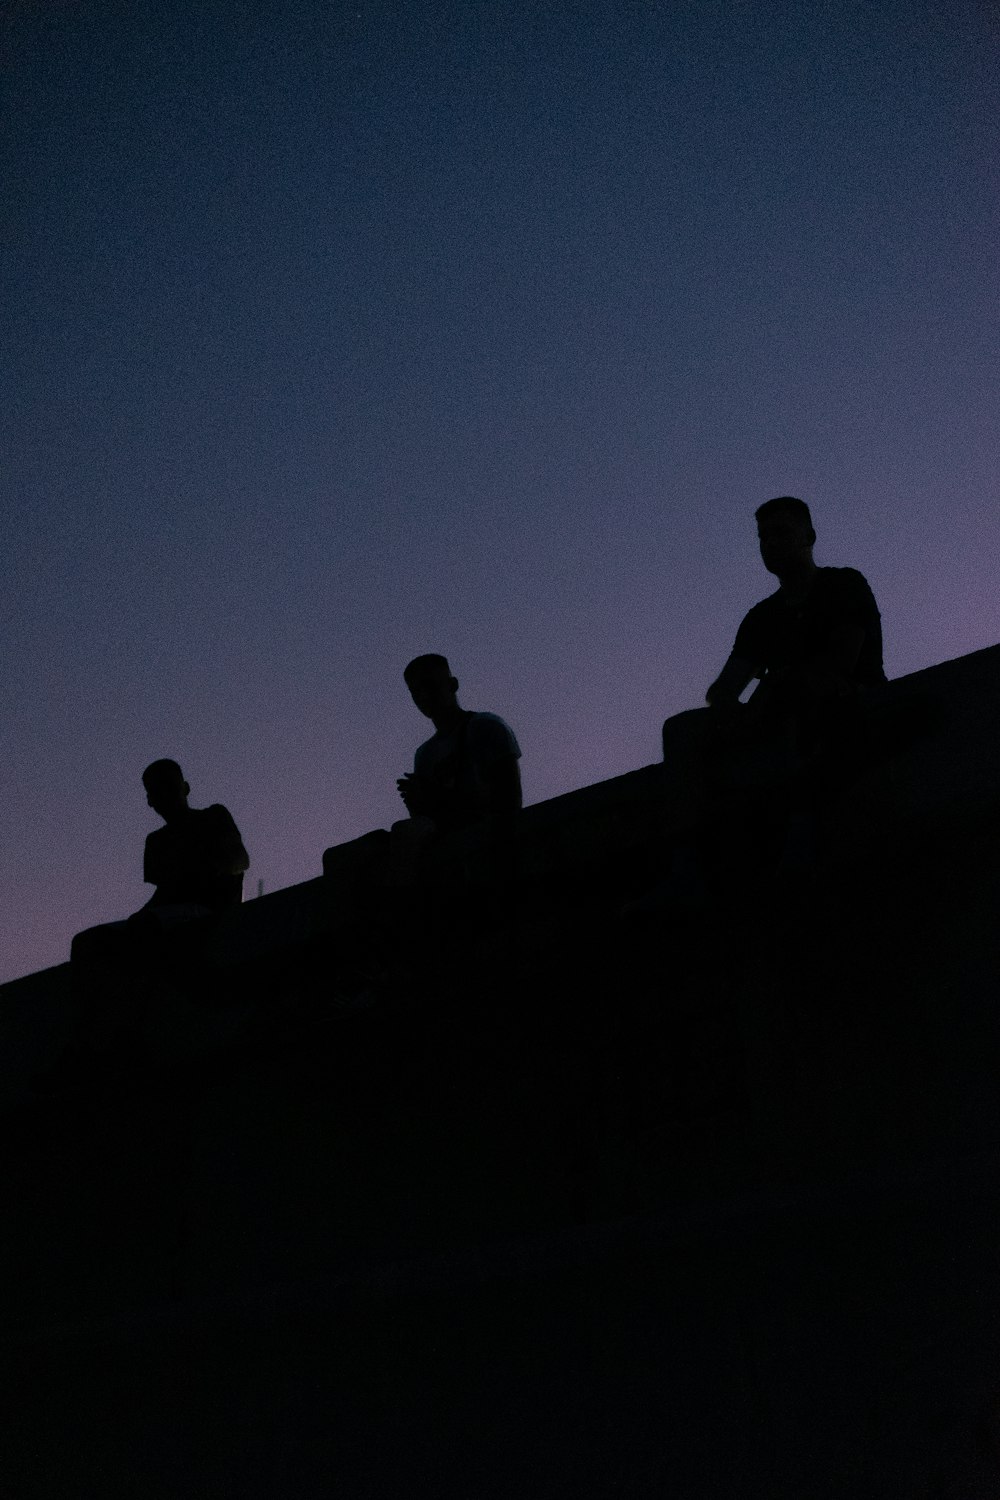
column 786, row 535
column 166, row 790
column 432, row 687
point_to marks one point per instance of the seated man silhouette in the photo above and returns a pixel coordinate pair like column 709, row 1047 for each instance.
column 815, row 646
column 455, row 852
column 467, row 771
column 195, row 863
column 465, row 786
column 817, row 640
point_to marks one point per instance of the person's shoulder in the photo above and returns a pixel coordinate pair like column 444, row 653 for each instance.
column 482, row 722
column 481, row 717
column 216, row 816
column 845, row 575
column 489, row 729
column 848, row 581
column 762, row 610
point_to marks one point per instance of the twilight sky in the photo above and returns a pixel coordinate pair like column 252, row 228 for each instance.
column 336, row 333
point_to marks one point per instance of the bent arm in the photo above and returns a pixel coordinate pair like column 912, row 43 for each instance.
column 852, row 624
column 234, row 860
column 240, row 859
column 736, row 675
column 503, row 785
column 227, row 855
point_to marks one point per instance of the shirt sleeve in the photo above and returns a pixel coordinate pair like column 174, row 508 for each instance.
column 855, row 601
column 421, row 759
column 749, row 644
column 152, row 871
column 492, row 739
column 226, row 842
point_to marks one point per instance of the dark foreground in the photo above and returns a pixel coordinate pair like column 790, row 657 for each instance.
column 559, row 1206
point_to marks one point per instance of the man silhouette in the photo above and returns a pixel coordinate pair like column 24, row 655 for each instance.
column 452, row 859
column 467, row 771
column 463, row 794
column 196, row 860
column 195, row 863
column 815, row 647
column 817, row 639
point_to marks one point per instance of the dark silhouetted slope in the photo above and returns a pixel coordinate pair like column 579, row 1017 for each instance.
column 549, row 1203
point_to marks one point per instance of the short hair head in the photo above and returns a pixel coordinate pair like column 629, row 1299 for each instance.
column 166, row 790
column 789, row 505
column 432, row 685
column 429, row 665
column 160, row 771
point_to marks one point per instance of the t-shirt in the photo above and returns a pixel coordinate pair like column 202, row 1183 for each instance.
column 455, row 763
column 776, row 634
column 199, row 858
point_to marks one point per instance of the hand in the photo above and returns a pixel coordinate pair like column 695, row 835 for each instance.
column 413, row 793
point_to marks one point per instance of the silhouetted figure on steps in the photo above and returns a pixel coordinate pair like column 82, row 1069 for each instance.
column 467, row 772
column 463, row 796
column 197, row 859
column 817, row 640
column 815, row 647
column 452, row 861
column 196, row 863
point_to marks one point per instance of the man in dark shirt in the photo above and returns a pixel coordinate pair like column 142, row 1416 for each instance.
column 195, row 863
column 818, row 638
column 463, row 794
column 197, row 858
column 815, row 647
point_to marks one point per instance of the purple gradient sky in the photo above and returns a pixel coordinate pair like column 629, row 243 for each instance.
column 335, row 334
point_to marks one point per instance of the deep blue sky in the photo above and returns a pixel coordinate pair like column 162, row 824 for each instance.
column 334, row 334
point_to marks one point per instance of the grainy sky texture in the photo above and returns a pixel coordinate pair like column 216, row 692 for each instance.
column 333, row 334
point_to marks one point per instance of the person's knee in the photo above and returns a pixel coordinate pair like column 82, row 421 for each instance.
column 96, row 942
column 684, row 731
column 82, row 945
column 411, row 832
